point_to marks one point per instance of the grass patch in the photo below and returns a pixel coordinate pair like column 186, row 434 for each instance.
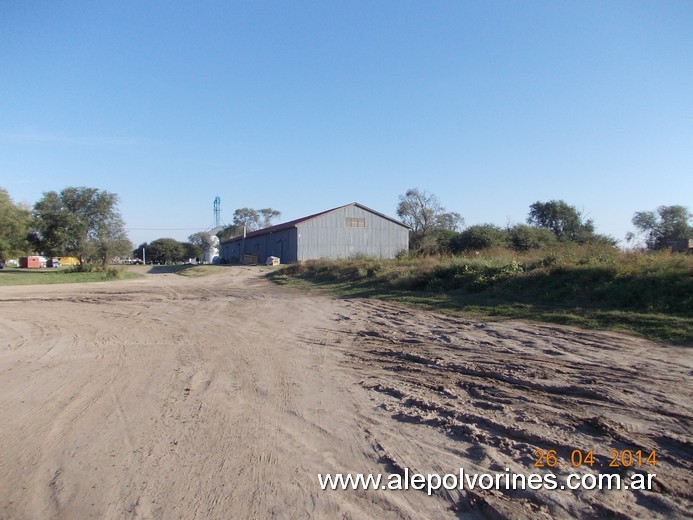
column 196, row 271
column 17, row 276
column 191, row 270
column 589, row 287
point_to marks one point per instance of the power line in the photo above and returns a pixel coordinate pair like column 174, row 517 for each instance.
column 164, row 229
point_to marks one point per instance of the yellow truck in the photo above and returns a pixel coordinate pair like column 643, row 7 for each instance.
column 68, row 260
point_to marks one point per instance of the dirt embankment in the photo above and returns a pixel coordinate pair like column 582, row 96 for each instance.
column 225, row 396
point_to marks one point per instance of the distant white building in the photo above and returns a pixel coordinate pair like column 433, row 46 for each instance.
column 212, row 253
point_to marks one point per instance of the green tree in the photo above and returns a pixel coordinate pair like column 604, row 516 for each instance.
column 562, row 219
column 192, row 251
column 249, row 219
column 424, row 214
column 140, row 252
column 246, row 217
column 268, row 215
column 523, row 237
column 662, row 225
column 202, row 239
column 229, row 232
column 482, row 236
column 444, row 240
column 82, row 222
column 52, row 226
column 15, row 227
column 165, row 251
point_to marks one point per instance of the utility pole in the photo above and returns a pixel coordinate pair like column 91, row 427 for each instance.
column 243, row 251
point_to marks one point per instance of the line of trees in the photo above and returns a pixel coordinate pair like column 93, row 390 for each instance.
column 431, row 225
column 78, row 221
column 15, row 227
column 249, row 219
column 85, row 223
column 657, row 228
column 437, row 231
column 168, row 251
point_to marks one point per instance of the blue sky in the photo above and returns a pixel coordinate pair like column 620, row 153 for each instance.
column 304, row 106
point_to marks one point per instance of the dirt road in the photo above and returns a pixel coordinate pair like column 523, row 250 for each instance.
column 225, row 396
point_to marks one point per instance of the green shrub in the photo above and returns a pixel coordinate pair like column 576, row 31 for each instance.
column 523, row 237
column 87, row 267
column 483, row 236
column 113, row 273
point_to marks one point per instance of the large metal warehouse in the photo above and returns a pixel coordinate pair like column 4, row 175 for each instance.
column 341, row 232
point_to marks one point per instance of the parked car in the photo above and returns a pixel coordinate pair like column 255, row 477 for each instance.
column 54, row 262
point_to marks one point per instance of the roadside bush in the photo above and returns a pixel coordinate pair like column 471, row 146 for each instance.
column 109, row 272
column 113, row 272
column 469, row 275
column 444, row 240
column 523, row 237
column 434, row 242
column 87, row 267
column 573, row 275
column 483, row 236
column 585, row 285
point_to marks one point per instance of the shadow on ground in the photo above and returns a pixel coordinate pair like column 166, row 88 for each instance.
column 169, row 269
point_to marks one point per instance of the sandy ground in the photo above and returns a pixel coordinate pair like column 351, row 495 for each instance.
column 225, row 396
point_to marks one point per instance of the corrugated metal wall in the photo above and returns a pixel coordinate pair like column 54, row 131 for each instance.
column 230, row 251
column 281, row 244
column 328, row 236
